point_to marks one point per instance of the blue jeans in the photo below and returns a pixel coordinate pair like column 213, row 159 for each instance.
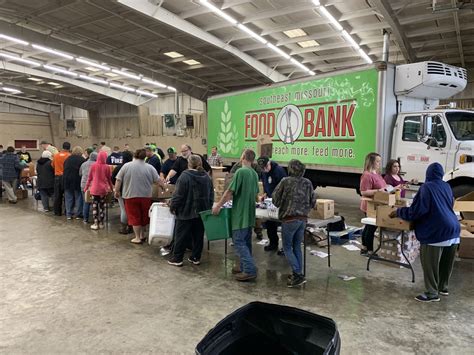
column 86, row 208
column 73, row 199
column 242, row 239
column 292, row 237
column 46, row 194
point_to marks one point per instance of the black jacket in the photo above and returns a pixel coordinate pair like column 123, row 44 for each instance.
column 193, row 194
column 72, row 179
column 155, row 162
column 45, row 174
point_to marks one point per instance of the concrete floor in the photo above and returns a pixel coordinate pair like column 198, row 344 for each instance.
column 65, row 289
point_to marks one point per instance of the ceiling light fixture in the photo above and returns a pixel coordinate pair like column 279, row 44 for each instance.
column 93, row 69
column 19, row 59
column 297, row 32
column 52, row 51
column 278, row 50
column 146, row 93
column 112, row 75
column 307, row 44
column 60, row 70
column 93, row 64
column 34, row 79
column 53, row 83
column 252, row 33
column 93, row 79
column 152, row 82
column 128, row 75
column 123, row 87
column 351, row 40
column 171, row 88
column 191, row 62
column 311, row 72
column 218, row 12
column 13, row 91
column 330, row 17
column 173, row 54
column 13, row 39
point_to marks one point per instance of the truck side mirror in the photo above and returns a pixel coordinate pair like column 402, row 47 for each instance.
column 426, row 128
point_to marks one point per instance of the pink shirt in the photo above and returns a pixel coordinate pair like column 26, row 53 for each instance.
column 370, row 181
column 100, row 181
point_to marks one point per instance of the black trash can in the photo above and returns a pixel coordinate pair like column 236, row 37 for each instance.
column 263, row 328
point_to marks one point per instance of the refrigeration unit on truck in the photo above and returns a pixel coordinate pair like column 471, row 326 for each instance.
column 332, row 121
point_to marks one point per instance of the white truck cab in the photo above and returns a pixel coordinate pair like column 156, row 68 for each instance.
column 445, row 136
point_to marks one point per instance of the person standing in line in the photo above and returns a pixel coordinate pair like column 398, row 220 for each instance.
column 215, row 159
column 84, row 173
column 58, row 166
column 370, row 182
column 100, row 184
column 168, row 165
column 272, row 174
column 194, row 193
column 153, row 159
column 49, row 147
column 45, row 183
column 437, row 228
column 126, row 147
column 24, row 155
column 295, row 197
column 125, row 228
column 116, row 158
column 137, row 178
column 72, row 184
column 10, row 167
column 243, row 191
column 104, row 148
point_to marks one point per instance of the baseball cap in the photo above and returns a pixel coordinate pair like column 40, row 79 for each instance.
column 44, row 142
column 262, row 161
column 171, row 150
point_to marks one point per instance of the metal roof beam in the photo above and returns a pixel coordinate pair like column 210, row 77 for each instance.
column 390, row 17
column 288, row 10
column 458, row 33
column 167, row 17
column 201, row 10
column 358, row 14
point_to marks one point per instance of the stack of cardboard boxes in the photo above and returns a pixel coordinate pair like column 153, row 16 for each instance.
column 465, row 205
column 162, row 193
column 392, row 248
column 219, row 188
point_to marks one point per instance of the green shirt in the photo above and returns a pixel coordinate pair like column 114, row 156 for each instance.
column 244, row 187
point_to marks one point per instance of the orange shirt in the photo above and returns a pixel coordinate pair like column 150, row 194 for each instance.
column 58, row 162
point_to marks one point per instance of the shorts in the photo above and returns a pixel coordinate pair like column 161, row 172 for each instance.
column 137, row 210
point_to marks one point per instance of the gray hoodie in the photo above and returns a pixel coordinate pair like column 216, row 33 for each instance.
column 85, row 168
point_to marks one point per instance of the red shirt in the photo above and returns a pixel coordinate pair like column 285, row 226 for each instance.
column 370, row 181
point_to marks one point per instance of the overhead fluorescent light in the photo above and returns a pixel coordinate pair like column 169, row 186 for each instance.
column 171, row 88
column 52, row 83
column 13, row 39
column 297, row 32
column 191, row 62
column 330, row 17
column 307, row 44
column 19, row 59
column 128, row 75
column 152, row 82
column 92, row 69
column 52, row 51
column 146, row 93
column 112, row 75
column 218, row 12
column 93, row 79
column 34, row 79
column 316, row 2
column 60, row 70
column 351, row 40
column 123, row 87
column 311, row 72
column 92, row 64
column 13, row 91
column 173, row 54
column 252, row 33
column 58, row 87
column 278, row 50
column 365, row 56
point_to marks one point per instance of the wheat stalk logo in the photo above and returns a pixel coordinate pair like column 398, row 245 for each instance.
column 227, row 139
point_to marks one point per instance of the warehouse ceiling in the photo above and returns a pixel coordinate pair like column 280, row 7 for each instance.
column 133, row 50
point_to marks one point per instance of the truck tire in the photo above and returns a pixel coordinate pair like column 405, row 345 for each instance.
column 461, row 190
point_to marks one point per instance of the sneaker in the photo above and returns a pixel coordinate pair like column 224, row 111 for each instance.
column 245, row 277
column 194, row 261
column 69, row 218
column 270, row 248
column 296, row 281
column 95, row 226
column 444, row 292
column 46, row 210
column 259, row 236
column 290, row 277
column 236, row 270
column 78, row 218
column 364, row 252
column 164, row 251
column 281, row 252
column 85, row 221
column 425, row 298
column 175, row 262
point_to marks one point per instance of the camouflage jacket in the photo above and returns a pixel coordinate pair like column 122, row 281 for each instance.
column 294, row 196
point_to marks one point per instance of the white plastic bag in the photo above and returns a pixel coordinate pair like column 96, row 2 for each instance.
column 161, row 222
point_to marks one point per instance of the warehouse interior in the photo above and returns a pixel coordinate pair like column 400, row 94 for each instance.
column 135, row 72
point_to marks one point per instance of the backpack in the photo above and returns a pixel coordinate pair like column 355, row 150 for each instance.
column 337, row 226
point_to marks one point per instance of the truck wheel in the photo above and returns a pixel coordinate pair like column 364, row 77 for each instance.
column 461, row 190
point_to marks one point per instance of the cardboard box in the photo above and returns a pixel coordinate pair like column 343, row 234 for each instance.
column 465, row 205
column 163, row 193
column 385, row 198
column 21, row 194
column 372, row 208
column 324, row 209
column 383, row 219
column 260, row 187
column 466, row 249
column 468, row 225
column 218, row 173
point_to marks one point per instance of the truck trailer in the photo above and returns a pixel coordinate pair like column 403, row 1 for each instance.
column 332, row 121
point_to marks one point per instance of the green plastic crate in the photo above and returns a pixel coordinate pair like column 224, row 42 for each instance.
column 217, row 227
